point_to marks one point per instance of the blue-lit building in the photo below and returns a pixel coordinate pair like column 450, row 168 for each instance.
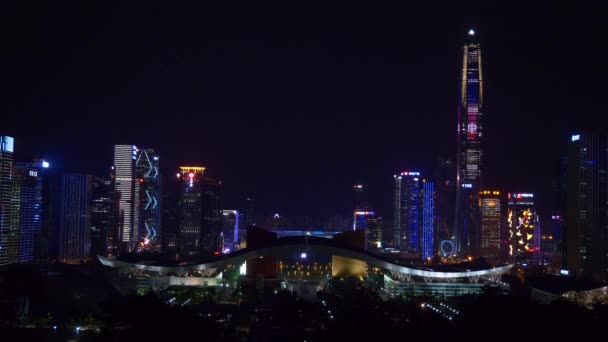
column 407, row 211
column 75, row 218
column 470, row 144
column 27, row 193
column 147, row 200
column 230, row 222
column 428, row 219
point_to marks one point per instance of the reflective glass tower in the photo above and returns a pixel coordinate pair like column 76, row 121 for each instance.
column 470, row 136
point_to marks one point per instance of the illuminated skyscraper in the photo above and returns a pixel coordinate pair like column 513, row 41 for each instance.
column 75, row 218
column 587, row 216
column 191, row 208
column 428, row 220
column 124, row 169
column 470, row 137
column 522, row 223
column 6, row 165
column 491, row 218
column 137, row 179
column 230, row 222
column 147, row 188
column 361, row 208
column 407, row 211
column 27, row 194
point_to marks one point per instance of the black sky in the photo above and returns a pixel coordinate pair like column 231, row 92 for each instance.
column 293, row 104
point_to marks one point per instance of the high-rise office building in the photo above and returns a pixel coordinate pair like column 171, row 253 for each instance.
column 137, row 179
column 190, row 208
column 371, row 224
column 361, row 208
column 360, row 219
column 428, row 220
column 407, row 211
column 147, row 190
column 6, row 220
column 75, row 218
column 490, row 225
column 559, row 208
column 522, row 223
column 470, row 137
column 373, row 231
column 230, row 222
column 444, row 178
column 587, row 217
column 104, row 216
column 212, row 240
column 27, row 195
column 124, row 170
column 170, row 212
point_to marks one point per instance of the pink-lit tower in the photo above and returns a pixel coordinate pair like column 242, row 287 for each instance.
column 469, row 178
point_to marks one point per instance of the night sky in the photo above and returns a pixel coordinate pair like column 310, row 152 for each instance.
column 295, row 104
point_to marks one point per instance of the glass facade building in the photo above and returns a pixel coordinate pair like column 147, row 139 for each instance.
column 428, row 220
column 190, row 208
column 212, row 239
column 27, row 195
column 75, row 218
column 230, row 222
column 104, row 217
column 470, row 137
column 407, row 211
column 491, row 221
column 124, row 170
column 587, row 214
column 6, row 220
column 148, row 209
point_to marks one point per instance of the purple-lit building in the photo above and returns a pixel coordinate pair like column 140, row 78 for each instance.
column 470, row 138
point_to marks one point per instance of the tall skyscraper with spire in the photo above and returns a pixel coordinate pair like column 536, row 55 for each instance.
column 470, row 137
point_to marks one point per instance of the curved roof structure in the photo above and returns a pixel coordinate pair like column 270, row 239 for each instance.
column 306, row 244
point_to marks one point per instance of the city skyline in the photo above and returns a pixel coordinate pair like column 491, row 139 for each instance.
column 285, row 171
column 269, row 134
